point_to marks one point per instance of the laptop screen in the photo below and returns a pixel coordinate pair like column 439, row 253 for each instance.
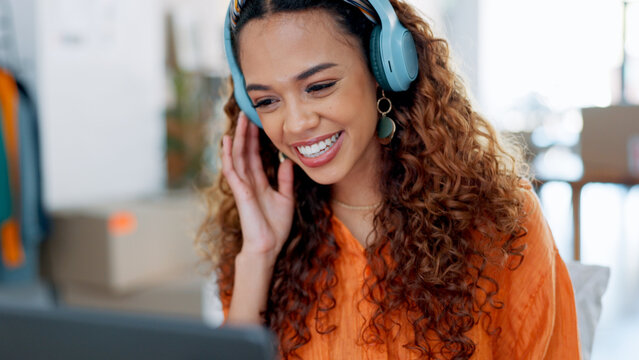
column 74, row 334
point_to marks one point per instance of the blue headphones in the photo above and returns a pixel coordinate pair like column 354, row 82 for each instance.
column 393, row 56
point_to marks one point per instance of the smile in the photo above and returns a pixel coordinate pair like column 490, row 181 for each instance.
column 318, row 148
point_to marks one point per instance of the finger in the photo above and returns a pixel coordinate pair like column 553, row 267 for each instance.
column 240, row 191
column 255, row 160
column 285, row 178
column 227, row 162
column 239, row 142
column 247, row 207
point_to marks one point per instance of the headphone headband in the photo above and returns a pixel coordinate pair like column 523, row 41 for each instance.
column 234, row 11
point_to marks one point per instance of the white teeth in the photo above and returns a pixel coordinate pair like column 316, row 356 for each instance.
column 318, row 148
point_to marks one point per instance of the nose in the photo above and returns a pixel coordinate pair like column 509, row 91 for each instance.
column 299, row 117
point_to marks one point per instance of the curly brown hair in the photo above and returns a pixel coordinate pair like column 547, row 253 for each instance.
column 453, row 205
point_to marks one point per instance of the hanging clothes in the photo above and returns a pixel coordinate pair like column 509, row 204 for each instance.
column 5, row 187
column 11, row 248
column 33, row 220
column 23, row 223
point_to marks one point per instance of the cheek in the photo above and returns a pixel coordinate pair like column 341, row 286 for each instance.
column 356, row 103
column 362, row 103
column 363, row 111
column 273, row 131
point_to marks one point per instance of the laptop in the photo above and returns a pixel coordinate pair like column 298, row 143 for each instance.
column 60, row 333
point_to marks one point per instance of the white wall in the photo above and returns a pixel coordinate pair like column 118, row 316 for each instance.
column 23, row 30
column 100, row 80
column 199, row 29
column 457, row 21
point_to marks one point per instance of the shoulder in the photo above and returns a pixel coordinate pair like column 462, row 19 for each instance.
column 535, row 241
column 540, row 245
column 523, row 277
column 536, row 266
column 529, row 292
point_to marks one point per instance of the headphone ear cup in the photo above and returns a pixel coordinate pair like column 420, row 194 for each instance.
column 375, row 57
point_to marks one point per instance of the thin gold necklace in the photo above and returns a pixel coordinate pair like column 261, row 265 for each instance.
column 357, row 207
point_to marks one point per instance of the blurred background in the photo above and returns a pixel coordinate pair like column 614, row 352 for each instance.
column 111, row 114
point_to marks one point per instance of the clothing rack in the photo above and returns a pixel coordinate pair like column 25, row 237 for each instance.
column 23, row 222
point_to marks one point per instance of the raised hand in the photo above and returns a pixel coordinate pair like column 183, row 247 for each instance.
column 266, row 214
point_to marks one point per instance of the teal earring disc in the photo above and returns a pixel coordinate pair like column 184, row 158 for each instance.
column 385, row 130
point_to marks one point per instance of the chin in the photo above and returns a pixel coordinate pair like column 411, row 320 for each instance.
column 323, row 177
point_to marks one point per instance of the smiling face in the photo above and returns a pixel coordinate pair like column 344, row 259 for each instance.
column 313, row 92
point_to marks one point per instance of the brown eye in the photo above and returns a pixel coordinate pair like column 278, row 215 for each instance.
column 264, row 102
column 318, row 87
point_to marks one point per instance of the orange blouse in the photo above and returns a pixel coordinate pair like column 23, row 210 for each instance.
column 538, row 321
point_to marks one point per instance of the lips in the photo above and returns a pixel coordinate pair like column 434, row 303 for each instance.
column 320, row 151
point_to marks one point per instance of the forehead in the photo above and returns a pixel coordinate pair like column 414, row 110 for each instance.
column 281, row 45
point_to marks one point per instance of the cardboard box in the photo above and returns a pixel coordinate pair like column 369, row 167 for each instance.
column 178, row 297
column 610, row 143
column 123, row 246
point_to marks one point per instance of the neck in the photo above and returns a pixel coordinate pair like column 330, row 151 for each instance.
column 361, row 186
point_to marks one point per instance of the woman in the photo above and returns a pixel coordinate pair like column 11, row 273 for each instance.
column 363, row 223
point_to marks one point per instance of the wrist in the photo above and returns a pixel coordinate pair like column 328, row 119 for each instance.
column 264, row 260
column 253, row 272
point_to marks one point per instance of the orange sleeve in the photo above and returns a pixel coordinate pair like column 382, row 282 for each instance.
column 539, row 320
column 564, row 343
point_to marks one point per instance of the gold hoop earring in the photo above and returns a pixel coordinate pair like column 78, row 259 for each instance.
column 385, row 126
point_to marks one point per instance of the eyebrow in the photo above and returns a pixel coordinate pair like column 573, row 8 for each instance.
column 303, row 75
